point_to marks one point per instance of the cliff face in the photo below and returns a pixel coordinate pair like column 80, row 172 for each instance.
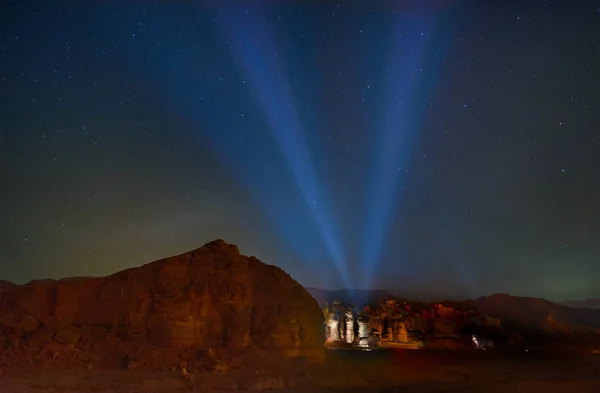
column 212, row 297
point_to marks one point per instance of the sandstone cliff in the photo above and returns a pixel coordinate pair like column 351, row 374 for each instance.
column 209, row 298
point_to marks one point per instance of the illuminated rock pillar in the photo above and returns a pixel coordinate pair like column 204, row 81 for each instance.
column 401, row 333
column 349, row 327
column 333, row 329
column 363, row 334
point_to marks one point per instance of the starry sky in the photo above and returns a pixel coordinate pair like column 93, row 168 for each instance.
column 441, row 147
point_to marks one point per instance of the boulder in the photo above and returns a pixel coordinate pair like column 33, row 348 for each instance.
column 208, row 298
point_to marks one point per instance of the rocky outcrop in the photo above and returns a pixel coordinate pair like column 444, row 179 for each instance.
column 212, row 297
column 505, row 320
column 518, row 323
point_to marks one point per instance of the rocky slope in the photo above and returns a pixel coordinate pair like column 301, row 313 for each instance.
column 187, row 308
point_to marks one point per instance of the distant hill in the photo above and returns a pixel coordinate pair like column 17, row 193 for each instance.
column 587, row 303
column 531, row 311
column 353, row 297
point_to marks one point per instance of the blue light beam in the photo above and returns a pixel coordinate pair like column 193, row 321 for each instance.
column 251, row 42
column 411, row 38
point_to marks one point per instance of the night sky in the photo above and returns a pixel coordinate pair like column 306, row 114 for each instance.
column 449, row 148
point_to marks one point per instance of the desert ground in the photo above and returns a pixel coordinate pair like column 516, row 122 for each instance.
column 404, row 371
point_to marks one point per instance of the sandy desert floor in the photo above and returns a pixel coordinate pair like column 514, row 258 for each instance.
column 345, row 372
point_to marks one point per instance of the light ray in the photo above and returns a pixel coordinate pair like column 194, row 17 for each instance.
column 251, row 42
column 406, row 87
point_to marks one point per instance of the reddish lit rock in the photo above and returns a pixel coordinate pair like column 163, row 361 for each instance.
column 208, row 298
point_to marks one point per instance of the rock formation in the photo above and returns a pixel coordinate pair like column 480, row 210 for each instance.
column 507, row 321
column 205, row 300
column 498, row 321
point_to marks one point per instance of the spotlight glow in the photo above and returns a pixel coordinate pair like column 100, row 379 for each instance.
column 278, row 133
column 251, row 42
column 407, row 89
